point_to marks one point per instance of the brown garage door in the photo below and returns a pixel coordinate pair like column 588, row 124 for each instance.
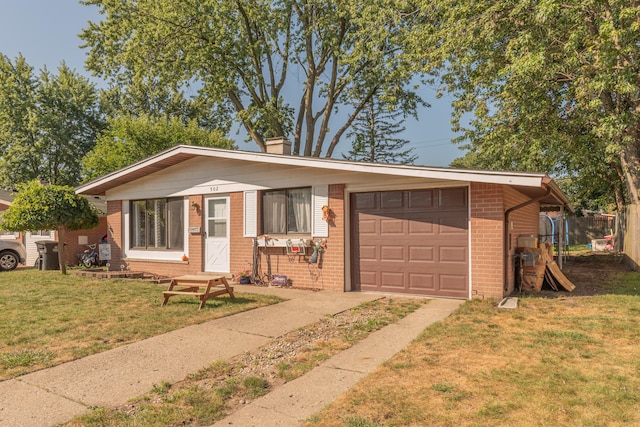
column 413, row 241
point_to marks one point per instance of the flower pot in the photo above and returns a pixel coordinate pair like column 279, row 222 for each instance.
column 244, row 280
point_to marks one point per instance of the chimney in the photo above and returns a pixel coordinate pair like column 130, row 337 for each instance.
column 278, row 145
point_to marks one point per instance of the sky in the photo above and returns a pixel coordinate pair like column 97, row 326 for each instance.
column 46, row 33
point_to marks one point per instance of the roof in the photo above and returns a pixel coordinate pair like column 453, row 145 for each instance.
column 532, row 184
column 6, row 197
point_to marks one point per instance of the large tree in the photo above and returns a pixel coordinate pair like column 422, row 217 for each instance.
column 49, row 207
column 543, row 84
column 283, row 66
column 129, row 139
column 47, row 123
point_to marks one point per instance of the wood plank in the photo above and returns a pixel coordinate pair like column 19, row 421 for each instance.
column 550, row 281
column 559, row 276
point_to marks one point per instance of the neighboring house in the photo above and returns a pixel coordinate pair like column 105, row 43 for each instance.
column 6, row 198
column 402, row 229
column 76, row 240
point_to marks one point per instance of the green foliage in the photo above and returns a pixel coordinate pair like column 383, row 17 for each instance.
column 48, row 207
column 129, row 139
column 256, row 387
column 47, row 123
column 24, row 358
column 542, row 85
column 283, row 67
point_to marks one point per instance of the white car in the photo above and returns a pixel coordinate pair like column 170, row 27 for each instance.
column 12, row 253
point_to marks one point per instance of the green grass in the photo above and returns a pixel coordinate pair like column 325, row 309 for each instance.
column 47, row 318
column 551, row 362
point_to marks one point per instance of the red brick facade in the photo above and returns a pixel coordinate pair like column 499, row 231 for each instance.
column 93, row 235
column 488, row 203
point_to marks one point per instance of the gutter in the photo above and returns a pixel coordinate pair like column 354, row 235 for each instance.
column 505, row 236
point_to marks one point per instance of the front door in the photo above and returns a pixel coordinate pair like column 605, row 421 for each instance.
column 217, row 234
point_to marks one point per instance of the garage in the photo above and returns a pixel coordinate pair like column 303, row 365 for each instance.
column 411, row 241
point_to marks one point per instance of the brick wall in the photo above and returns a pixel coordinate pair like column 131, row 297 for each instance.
column 328, row 273
column 114, row 233
column 521, row 221
column 194, row 240
column 489, row 202
column 93, row 235
column 487, row 217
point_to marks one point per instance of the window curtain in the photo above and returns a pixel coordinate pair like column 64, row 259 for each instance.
column 300, row 210
column 275, row 212
column 176, row 223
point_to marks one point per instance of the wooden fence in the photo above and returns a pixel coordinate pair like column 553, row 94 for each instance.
column 628, row 233
column 583, row 229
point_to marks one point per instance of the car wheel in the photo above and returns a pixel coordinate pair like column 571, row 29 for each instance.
column 8, row 261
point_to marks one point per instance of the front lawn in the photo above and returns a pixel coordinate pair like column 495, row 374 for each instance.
column 47, row 318
column 560, row 361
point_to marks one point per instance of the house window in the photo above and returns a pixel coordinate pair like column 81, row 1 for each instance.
column 157, row 224
column 286, row 211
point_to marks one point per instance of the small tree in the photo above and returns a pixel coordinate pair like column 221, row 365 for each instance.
column 373, row 136
column 47, row 207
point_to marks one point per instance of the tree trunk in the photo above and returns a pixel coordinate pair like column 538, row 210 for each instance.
column 630, row 161
column 62, row 248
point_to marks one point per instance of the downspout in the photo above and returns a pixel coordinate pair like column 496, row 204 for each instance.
column 505, row 236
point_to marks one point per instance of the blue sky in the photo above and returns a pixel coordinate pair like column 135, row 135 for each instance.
column 46, row 33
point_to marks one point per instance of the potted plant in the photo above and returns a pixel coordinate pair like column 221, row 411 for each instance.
column 243, row 277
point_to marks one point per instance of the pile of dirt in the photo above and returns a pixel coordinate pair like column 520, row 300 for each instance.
column 590, row 273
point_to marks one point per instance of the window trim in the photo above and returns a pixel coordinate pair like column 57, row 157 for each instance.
column 286, row 190
column 167, row 213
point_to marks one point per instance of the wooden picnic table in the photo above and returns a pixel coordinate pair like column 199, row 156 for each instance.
column 202, row 287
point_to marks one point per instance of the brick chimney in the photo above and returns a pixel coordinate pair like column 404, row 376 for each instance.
column 278, row 145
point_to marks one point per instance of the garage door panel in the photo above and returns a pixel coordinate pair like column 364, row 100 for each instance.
column 369, row 253
column 391, row 227
column 456, row 254
column 421, row 254
column 456, row 283
column 389, row 253
column 411, row 242
column 453, row 198
column 392, row 200
column 368, row 226
column 423, row 228
column 452, row 225
column 421, row 199
column 368, row 278
column 364, row 201
column 392, row 279
column 422, row 282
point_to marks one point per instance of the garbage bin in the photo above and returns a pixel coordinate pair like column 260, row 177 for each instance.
column 48, row 254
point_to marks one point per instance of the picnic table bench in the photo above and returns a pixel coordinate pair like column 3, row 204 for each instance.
column 202, row 287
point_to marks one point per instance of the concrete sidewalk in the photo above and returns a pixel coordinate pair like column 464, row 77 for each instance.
column 111, row 378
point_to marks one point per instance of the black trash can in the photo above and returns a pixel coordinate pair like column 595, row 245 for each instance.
column 48, row 254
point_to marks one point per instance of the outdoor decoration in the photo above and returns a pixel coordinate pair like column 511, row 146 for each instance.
column 318, row 246
column 326, row 213
column 185, row 258
column 243, row 277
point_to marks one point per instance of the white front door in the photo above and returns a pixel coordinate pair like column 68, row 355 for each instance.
column 216, row 246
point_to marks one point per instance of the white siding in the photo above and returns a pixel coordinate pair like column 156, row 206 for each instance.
column 223, row 176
